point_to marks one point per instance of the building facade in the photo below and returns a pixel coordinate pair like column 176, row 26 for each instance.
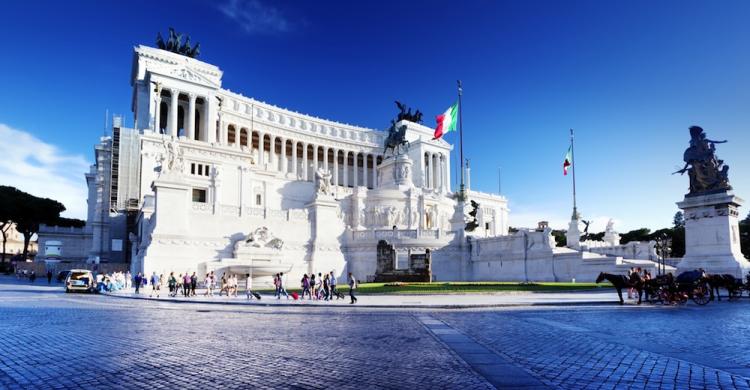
column 210, row 180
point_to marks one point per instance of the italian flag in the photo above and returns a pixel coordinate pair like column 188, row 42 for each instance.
column 446, row 122
column 568, row 160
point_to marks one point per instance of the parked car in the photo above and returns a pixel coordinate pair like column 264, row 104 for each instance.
column 62, row 275
column 80, row 280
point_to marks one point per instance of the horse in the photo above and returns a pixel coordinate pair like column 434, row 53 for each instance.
column 620, row 281
column 716, row 281
column 396, row 138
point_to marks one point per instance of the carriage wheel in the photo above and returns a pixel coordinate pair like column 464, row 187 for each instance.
column 701, row 295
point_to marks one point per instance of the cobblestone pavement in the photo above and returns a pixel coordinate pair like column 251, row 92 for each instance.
column 688, row 347
column 54, row 340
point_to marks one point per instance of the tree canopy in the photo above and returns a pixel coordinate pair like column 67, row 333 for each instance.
column 28, row 212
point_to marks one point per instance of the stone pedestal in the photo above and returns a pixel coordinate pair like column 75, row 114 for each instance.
column 171, row 205
column 712, row 234
column 395, row 173
column 327, row 232
column 573, row 235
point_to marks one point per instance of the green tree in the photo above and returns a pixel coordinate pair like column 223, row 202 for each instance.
column 679, row 220
column 745, row 236
column 31, row 212
column 642, row 234
column 9, row 199
column 560, row 238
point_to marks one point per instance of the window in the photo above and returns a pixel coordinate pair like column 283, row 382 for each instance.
column 258, row 200
column 200, row 169
column 199, row 195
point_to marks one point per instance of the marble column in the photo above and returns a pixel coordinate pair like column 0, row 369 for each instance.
column 305, row 168
column 374, row 171
column 294, row 159
column 346, row 168
column 284, row 160
column 272, row 154
column 157, row 110
column 315, row 160
column 261, row 142
column 173, row 108
column 209, row 122
column 191, row 117
column 364, row 170
column 325, row 158
column 335, row 167
column 355, row 174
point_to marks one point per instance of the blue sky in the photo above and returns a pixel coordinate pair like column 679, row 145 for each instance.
column 629, row 77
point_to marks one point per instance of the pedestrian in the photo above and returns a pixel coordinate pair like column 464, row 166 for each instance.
column 193, row 283
column 49, row 276
column 282, row 290
column 186, row 285
column 326, row 287
column 212, row 284
column 154, row 285
column 306, row 287
column 276, row 285
column 333, row 287
column 172, row 283
column 352, row 287
column 128, row 280
column 312, row 286
column 207, row 284
column 137, row 282
column 319, row 286
column 630, row 276
column 32, row 277
column 249, row 286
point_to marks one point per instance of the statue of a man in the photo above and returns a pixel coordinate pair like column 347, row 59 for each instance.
column 323, row 181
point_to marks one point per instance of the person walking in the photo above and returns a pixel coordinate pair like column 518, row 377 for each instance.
column 49, row 276
column 282, row 290
column 137, row 282
column 352, row 287
column 172, row 284
column 212, row 284
column 154, row 285
column 128, row 280
column 333, row 287
column 306, row 287
column 193, row 283
column 249, row 287
column 313, row 294
column 326, row 287
column 186, row 285
column 319, row 286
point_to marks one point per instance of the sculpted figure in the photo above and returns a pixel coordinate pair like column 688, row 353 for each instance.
column 261, row 237
column 323, row 181
column 172, row 157
column 706, row 172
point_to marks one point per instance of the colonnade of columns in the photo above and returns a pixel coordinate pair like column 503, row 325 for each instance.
column 301, row 160
column 435, row 171
column 193, row 106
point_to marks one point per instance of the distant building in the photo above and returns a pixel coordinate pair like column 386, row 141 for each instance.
column 14, row 244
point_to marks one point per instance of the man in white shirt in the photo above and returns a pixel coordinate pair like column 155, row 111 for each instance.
column 352, row 287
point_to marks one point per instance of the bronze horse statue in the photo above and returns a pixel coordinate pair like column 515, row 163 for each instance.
column 396, row 140
column 621, row 281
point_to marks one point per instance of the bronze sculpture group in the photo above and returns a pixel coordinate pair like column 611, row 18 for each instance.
column 175, row 44
column 707, row 173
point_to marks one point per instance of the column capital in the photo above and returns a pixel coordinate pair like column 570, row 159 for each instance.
column 192, row 96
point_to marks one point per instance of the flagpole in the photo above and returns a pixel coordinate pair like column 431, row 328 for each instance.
column 462, row 189
column 573, row 167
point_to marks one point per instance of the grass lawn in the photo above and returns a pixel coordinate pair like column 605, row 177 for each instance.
column 465, row 287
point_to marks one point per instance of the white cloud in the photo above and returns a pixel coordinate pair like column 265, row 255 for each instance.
column 255, row 17
column 42, row 169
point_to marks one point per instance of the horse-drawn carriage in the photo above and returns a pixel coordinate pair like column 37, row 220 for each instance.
column 667, row 289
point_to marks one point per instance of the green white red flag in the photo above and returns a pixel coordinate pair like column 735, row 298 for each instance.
column 446, row 122
column 568, row 160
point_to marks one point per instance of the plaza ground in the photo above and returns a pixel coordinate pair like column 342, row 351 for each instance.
column 56, row 340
